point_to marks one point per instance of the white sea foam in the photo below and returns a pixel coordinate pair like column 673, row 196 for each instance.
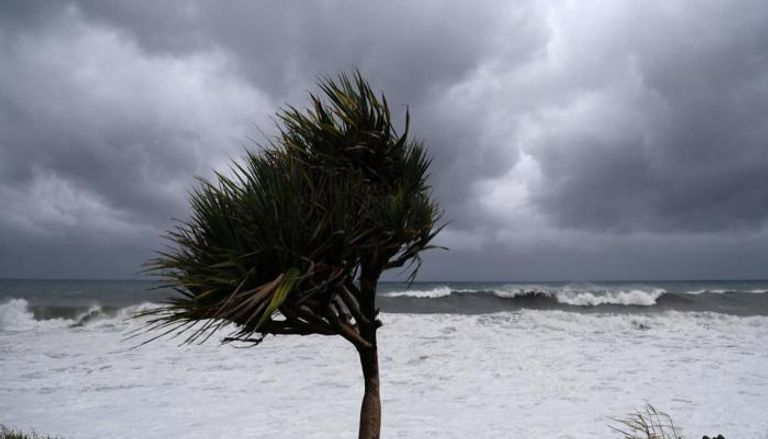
column 565, row 295
column 620, row 297
column 16, row 316
column 541, row 374
column 441, row 291
column 724, row 291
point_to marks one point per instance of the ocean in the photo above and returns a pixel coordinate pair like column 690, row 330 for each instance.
column 458, row 359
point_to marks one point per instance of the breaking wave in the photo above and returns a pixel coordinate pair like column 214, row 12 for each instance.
column 566, row 295
column 19, row 315
column 588, row 298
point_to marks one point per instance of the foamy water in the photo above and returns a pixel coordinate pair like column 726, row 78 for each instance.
column 564, row 295
column 585, row 295
column 531, row 373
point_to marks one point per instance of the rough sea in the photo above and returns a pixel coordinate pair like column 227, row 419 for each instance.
column 481, row 360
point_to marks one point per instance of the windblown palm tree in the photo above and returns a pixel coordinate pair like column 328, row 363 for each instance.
column 296, row 240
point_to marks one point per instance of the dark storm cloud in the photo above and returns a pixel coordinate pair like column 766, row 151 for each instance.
column 85, row 105
column 278, row 46
column 417, row 53
column 100, row 141
column 693, row 145
column 561, row 131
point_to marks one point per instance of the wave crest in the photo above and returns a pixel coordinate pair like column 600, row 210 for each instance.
column 565, row 296
column 422, row 294
column 17, row 315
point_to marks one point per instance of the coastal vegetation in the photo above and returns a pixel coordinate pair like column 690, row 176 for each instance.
column 10, row 433
column 295, row 239
column 648, row 423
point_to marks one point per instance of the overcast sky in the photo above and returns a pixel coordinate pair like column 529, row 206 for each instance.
column 572, row 140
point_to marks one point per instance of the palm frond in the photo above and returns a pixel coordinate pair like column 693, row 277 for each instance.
column 276, row 245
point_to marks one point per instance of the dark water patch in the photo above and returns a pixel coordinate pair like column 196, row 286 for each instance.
column 729, row 302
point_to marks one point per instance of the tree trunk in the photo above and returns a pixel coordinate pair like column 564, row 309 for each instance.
column 370, row 412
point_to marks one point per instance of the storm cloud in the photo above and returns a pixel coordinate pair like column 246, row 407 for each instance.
column 571, row 140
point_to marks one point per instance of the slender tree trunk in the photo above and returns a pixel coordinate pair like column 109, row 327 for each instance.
column 370, row 412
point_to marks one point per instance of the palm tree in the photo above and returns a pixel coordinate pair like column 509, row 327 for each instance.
column 295, row 240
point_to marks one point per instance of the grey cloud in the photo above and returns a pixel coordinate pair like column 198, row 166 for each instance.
column 101, row 140
column 563, row 133
column 416, row 54
column 280, row 47
column 91, row 108
column 695, row 147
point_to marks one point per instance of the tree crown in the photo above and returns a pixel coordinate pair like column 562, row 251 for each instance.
column 285, row 244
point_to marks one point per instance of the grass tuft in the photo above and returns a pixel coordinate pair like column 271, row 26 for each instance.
column 9, row 433
column 648, row 423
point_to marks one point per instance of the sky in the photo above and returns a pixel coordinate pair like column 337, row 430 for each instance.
column 571, row 140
